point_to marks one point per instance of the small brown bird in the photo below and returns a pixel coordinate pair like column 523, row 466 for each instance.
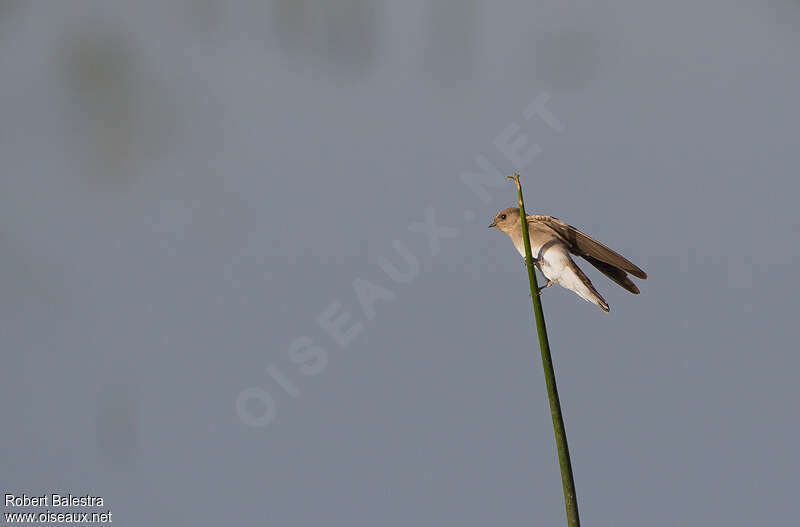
column 552, row 241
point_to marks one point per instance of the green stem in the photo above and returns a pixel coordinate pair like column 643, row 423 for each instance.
column 567, row 481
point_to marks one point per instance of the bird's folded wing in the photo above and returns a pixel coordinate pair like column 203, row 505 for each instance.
column 584, row 245
column 614, row 273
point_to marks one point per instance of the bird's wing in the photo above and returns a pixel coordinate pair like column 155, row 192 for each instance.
column 584, row 245
column 614, row 273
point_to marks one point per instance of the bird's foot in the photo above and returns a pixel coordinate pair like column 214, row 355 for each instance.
column 534, row 261
column 542, row 288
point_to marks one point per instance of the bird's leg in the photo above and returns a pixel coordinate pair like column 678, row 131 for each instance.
column 536, row 264
column 542, row 288
column 534, row 261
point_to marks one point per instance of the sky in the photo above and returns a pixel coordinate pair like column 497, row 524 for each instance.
column 245, row 274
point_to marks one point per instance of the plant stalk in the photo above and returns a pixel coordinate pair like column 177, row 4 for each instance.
column 567, row 481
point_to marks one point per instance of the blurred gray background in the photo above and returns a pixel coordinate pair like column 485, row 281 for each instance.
column 188, row 185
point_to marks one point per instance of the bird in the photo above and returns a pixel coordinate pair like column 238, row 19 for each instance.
column 552, row 244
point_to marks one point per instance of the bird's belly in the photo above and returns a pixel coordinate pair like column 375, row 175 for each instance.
column 553, row 259
column 551, row 271
column 554, row 263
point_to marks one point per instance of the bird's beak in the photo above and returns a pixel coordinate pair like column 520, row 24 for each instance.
column 492, row 225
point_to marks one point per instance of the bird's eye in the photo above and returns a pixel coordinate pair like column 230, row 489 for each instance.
column 502, row 216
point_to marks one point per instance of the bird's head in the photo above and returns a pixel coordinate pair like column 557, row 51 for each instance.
column 506, row 220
